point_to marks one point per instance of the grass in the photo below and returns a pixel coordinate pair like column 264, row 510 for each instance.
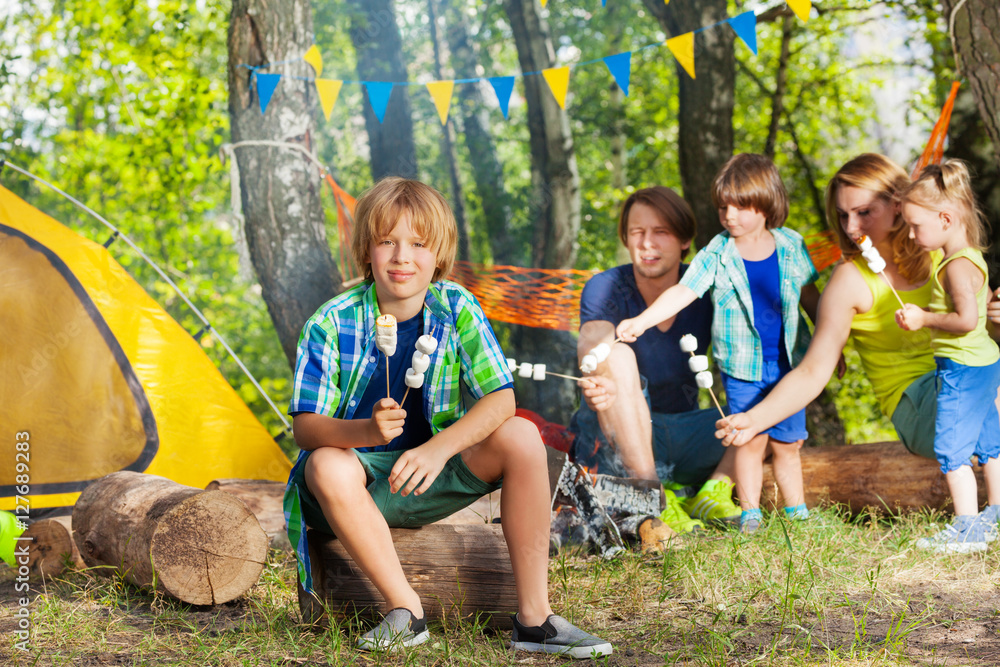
column 831, row 591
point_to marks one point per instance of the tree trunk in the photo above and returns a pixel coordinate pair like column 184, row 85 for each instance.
column 486, row 168
column 458, row 572
column 555, row 208
column 201, row 547
column 447, row 147
column 52, row 547
column 379, row 52
column 883, row 476
column 280, row 188
column 263, row 498
column 554, row 176
column 778, row 99
column 706, row 103
column 976, row 40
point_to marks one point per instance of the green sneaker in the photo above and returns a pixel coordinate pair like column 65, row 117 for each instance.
column 675, row 516
column 714, row 503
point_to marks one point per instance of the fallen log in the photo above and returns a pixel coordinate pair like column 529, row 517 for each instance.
column 52, row 547
column 263, row 498
column 458, row 571
column 882, row 476
column 201, row 547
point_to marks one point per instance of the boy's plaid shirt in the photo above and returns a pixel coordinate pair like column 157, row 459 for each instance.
column 718, row 266
column 337, row 357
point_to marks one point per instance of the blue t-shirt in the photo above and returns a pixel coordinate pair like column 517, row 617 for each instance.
column 416, row 430
column 613, row 296
column 765, row 292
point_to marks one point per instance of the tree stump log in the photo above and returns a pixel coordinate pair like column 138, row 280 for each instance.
column 458, row 571
column 883, row 476
column 52, row 547
column 201, row 547
column 263, row 498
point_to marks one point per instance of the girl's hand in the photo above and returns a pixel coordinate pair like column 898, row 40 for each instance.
column 736, row 430
column 630, row 329
column 417, row 468
column 386, row 423
column 911, row 318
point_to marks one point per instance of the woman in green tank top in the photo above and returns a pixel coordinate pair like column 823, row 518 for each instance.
column 858, row 304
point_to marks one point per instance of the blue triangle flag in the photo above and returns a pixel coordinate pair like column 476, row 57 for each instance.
column 745, row 25
column 266, row 83
column 378, row 96
column 620, row 66
column 502, row 86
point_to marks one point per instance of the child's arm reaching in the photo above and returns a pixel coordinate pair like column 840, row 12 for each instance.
column 668, row 304
column 313, row 430
column 962, row 279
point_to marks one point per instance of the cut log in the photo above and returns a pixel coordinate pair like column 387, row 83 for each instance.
column 883, row 476
column 458, row 571
column 264, row 498
column 201, row 547
column 52, row 547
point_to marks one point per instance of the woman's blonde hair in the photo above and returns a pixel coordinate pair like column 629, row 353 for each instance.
column 381, row 207
column 752, row 181
column 947, row 187
column 880, row 175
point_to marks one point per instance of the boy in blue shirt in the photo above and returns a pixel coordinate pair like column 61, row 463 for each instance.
column 368, row 463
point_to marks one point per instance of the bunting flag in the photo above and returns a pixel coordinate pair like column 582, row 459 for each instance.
column 558, row 80
column 683, row 49
column 745, row 26
column 378, row 96
column 801, row 8
column 314, row 58
column 620, row 66
column 441, row 94
column 502, row 86
column 266, row 83
column 329, row 90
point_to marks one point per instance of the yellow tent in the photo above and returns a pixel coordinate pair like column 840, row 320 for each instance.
column 95, row 377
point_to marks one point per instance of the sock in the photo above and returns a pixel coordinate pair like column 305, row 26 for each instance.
column 797, row 513
column 752, row 513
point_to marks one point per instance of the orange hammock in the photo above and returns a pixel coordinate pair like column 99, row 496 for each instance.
column 550, row 298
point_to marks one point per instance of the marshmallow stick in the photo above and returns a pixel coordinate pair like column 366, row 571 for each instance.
column 385, row 341
column 560, row 375
column 876, row 264
column 689, row 344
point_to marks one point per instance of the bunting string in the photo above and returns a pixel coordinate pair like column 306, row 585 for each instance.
column 619, row 65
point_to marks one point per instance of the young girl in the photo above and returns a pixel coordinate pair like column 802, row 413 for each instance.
column 941, row 211
column 758, row 274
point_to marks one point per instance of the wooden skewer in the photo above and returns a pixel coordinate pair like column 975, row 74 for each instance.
column 404, row 397
column 560, row 375
column 895, row 293
column 387, row 393
column 714, row 399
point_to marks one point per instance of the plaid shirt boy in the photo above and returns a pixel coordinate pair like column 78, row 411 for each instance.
column 337, row 357
column 736, row 345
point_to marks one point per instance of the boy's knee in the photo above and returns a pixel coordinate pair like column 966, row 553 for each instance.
column 331, row 471
column 519, row 435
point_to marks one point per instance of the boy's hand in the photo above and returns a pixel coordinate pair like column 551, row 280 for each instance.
column 598, row 391
column 386, row 422
column 417, row 468
column 630, row 329
column 911, row 317
column 736, row 430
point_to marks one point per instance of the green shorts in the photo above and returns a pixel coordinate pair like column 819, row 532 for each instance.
column 456, row 487
column 915, row 415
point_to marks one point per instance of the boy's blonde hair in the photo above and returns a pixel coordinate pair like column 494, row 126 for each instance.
column 883, row 177
column 381, row 207
column 947, row 187
column 750, row 180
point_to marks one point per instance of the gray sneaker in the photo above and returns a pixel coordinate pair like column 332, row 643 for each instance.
column 398, row 629
column 989, row 517
column 966, row 534
column 557, row 635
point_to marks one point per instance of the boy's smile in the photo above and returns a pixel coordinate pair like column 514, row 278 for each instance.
column 402, row 266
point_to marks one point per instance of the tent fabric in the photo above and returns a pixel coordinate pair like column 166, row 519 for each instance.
column 102, row 378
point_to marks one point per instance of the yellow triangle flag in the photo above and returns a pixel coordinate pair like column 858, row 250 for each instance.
column 314, row 58
column 441, row 93
column 328, row 90
column 558, row 80
column 683, row 49
column 801, row 8
column 544, row 2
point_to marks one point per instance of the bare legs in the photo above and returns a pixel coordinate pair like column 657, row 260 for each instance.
column 514, row 451
column 627, row 424
column 787, row 471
